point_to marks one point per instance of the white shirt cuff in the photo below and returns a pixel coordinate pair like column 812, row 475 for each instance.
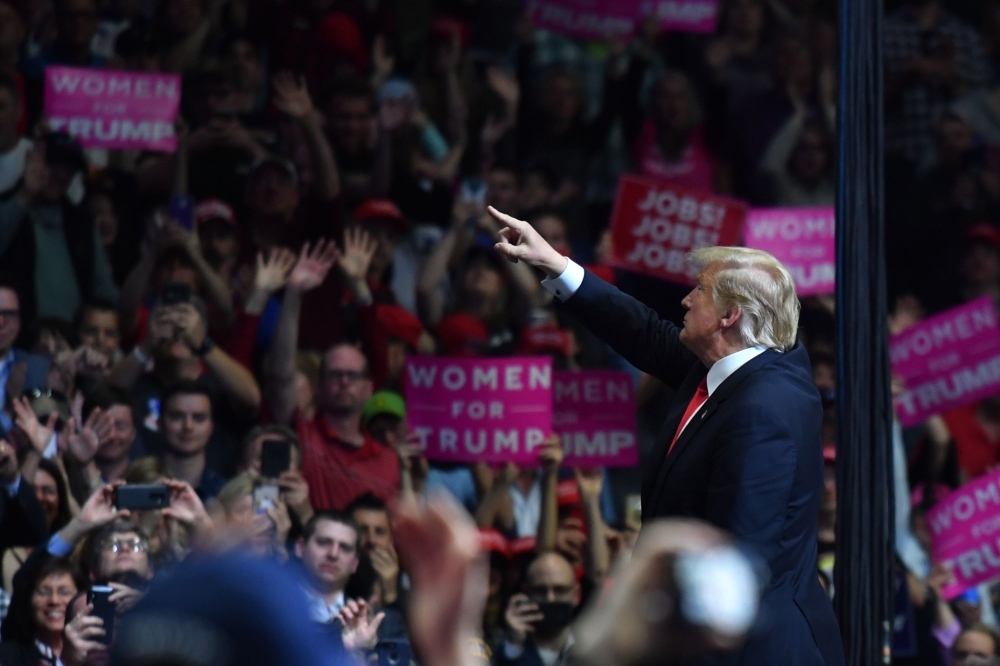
column 566, row 283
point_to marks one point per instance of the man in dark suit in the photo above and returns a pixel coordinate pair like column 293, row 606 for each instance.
column 22, row 520
column 740, row 446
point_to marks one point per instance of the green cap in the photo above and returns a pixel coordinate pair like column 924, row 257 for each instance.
column 383, row 402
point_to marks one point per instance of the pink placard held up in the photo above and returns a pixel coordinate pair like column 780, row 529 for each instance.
column 947, row 361
column 480, row 409
column 802, row 239
column 111, row 109
column 594, row 415
column 965, row 534
column 599, row 19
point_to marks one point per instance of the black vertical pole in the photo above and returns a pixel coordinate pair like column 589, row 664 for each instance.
column 864, row 555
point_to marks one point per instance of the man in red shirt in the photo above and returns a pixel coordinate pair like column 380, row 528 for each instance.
column 340, row 461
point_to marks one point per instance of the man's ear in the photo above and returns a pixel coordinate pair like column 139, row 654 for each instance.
column 732, row 316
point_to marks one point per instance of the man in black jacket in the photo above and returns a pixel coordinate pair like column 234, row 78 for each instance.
column 22, row 520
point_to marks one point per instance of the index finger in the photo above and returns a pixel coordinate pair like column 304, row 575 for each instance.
column 511, row 222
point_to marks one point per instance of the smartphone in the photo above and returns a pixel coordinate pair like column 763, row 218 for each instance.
column 265, row 496
column 554, row 613
column 182, row 210
column 104, row 608
column 142, row 496
column 175, row 293
column 275, row 458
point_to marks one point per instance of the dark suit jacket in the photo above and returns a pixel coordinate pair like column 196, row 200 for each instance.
column 750, row 463
column 22, row 520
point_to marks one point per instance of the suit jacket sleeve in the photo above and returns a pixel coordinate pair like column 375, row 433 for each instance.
column 752, row 476
column 22, row 520
column 632, row 329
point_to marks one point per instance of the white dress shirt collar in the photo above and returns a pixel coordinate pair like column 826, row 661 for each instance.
column 724, row 367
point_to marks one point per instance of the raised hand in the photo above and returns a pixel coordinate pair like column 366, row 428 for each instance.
column 84, row 442
column 124, row 597
column 385, row 562
column 282, row 522
column 520, row 242
column 503, row 84
column 81, row 637
column 272, row 272
column 438, row 544
column 382, row 62
column 185, row 505
column 520, row 617
column 190, row 323
column 551, row 454
column 359, row 632
column 313, row 265
column 38, row 433
column 359, row 248
column 295, row 493
column 589, row 482
column 99, row 509
column 291, row 97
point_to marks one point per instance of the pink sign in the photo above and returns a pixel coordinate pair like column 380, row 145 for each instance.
column 594, row 414
column 599, row 19
column 947, row 361
column 800, row 238
column 965, row 534
column 109, row 109
column 480, row 409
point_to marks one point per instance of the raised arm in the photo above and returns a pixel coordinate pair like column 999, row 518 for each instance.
column 309, row 272
column 632, row 329
column 293, row 100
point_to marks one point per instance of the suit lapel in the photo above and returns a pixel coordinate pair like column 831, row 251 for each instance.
column 679, row 403
column 724, row 390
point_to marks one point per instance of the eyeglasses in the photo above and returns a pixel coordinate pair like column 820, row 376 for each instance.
column 340, row 375
column 132, row 545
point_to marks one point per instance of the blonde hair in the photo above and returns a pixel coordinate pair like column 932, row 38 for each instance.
column 762, row 288
column 236, row 489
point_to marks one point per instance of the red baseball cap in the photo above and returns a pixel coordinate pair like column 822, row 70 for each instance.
column 399, row 324
column 372, row 210
column 462, row 334
column 491, row 540
column 543, row 340
column 213, row 209
column 984, row 233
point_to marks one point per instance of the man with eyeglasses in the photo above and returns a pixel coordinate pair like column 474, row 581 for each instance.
column 340, row 460
column 120, row 555
column 538, row 620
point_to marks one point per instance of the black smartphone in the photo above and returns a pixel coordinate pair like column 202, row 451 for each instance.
column 175, row 293
column 182, row 210
column 554, row 613
column 142, row 496
column 104, row 608
column 275, row 458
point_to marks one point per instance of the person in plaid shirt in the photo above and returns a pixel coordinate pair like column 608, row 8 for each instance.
column 931, row 59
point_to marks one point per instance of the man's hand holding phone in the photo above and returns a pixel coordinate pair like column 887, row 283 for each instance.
column 521, row 616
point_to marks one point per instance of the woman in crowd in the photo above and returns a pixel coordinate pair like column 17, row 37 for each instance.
column 50, row 489
column 32, row 633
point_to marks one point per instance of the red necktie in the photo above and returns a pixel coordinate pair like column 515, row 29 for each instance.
column 697, row 400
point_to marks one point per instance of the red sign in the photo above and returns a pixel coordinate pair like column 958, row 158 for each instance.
column 654, row 225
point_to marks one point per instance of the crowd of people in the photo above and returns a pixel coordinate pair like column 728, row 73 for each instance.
column 169, row 317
